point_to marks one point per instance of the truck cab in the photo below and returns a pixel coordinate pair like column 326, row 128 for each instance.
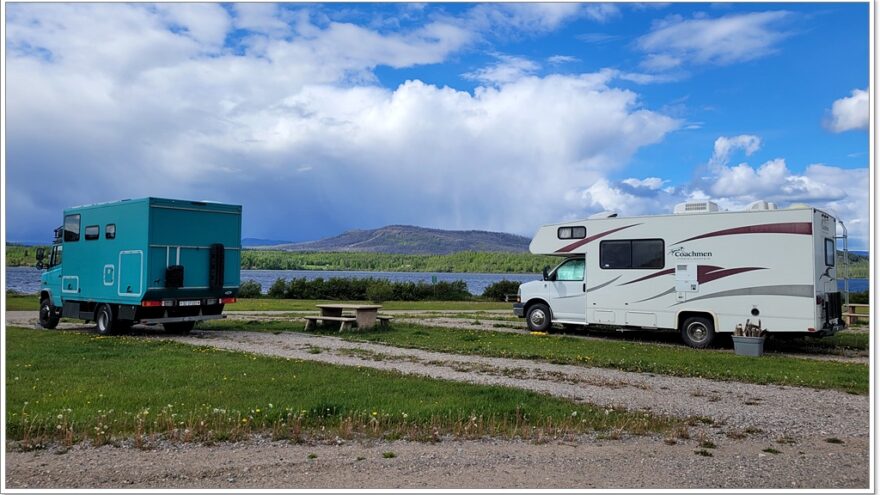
column 564, row 289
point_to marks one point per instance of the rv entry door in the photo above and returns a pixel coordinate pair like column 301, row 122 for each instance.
column 568, row 299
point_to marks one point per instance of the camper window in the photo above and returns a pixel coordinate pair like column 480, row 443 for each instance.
column 571, row 232
column 632, row 254
column 71, row 228
column 110, row 231
column 829, row 252
column 93, row 232
column 647, row 253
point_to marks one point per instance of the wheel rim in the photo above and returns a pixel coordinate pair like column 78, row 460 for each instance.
column 44, row 313
column 697, row 332
column 537, row 317
column 102, row 320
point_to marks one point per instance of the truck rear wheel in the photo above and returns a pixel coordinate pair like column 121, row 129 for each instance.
column 48, row 319
column 698, row 332
column 104, row 319
column 538, row 318
column 180, row 327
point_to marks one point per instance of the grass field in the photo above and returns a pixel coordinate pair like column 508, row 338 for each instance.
column 70, row 386
column 627, row 356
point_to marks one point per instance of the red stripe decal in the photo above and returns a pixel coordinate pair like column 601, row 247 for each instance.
column 710, row 275
column 575, row 245
column 668, row 271
column 805, row 228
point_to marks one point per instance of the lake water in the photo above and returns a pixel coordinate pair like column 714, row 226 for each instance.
column 27, row 279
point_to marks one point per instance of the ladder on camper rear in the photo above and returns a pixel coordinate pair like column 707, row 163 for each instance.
column 845, row 263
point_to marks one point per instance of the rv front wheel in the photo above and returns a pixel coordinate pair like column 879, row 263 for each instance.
column 104, row 319
column 698, row 332
column 47, row 315
column 538, row 318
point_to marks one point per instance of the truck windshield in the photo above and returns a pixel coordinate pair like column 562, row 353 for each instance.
column 571, row 271
column 55, row 259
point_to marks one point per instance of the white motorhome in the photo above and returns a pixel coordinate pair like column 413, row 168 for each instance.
column 699, row 271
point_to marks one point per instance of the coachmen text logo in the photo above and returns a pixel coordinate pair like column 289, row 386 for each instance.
column 681, row 252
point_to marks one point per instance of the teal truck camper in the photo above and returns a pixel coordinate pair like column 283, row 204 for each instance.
column 147, row 260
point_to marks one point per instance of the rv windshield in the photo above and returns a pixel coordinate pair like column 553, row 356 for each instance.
column 571, row 270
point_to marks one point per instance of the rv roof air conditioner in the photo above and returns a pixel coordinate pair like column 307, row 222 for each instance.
column 603, row 214
column 761, row 205
column 695, row 207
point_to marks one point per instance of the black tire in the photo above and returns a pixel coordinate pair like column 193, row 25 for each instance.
column 698, row 332
column 538, row 318
column 180, row 327
column 48, row 319
column 105, row 320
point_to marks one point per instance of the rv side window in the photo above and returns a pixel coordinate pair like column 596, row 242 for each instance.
column 571, row 271
column 71, row 228
column 110, row 231
column 615, row 254
column 634, row 254
column 571, row 232
column 648, row 253
column 92, row 232
column 829, row 252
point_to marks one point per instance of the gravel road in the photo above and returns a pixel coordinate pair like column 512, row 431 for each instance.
column 804, row 416
column 587, row 463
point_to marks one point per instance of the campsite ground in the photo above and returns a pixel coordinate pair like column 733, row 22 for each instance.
column 722, row 431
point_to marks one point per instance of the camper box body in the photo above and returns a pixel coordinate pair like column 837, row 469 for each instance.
column 776, row 266
column 151, row 260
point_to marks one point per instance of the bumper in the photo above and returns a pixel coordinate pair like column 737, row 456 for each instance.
column 519, row 310
column 175, row 319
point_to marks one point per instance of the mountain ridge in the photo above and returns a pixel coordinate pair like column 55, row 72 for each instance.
column 409, row 239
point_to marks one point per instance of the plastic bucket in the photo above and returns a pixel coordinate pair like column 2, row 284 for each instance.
column 748, row 346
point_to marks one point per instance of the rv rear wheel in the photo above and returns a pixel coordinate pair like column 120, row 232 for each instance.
column 698, row 332
column 538, row 318
column 104, row 319
column 181, row 327
column 47, row 315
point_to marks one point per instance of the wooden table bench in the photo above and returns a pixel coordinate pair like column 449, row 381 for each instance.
column 365, row 315
column 851, row 316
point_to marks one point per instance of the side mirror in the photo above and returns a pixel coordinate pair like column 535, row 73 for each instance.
column 39, row 265
column 546, row 273
column 41, row 253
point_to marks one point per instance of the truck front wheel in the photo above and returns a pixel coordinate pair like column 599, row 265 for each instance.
column 104, row 319
column 48, row 319
column 538, row 318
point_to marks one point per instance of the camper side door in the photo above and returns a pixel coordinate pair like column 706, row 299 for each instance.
column 568, row 299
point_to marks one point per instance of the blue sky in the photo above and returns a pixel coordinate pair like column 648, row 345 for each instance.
column 319, row 118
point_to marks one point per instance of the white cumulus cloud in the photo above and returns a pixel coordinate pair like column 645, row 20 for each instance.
column 849, row 113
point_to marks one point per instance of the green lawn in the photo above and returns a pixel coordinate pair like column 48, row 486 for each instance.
column 32, row 303
column 70, row 386
column 643, row 357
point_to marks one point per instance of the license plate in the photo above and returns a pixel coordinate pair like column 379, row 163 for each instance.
column 190, row 303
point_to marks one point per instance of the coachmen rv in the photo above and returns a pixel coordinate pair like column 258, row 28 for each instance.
column 699, row 271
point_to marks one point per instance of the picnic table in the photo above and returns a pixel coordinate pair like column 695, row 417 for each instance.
column 365, row 315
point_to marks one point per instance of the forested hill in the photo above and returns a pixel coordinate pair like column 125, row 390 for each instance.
column 406, row 239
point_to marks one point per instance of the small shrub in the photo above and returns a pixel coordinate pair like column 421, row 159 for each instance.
column 250, row 289
column 771, row 450
column 380, row 291
column 834, row 440
column 703, row 452
column 499, row 289
column 278, row 288
column 313, row 456
column 389, row 455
